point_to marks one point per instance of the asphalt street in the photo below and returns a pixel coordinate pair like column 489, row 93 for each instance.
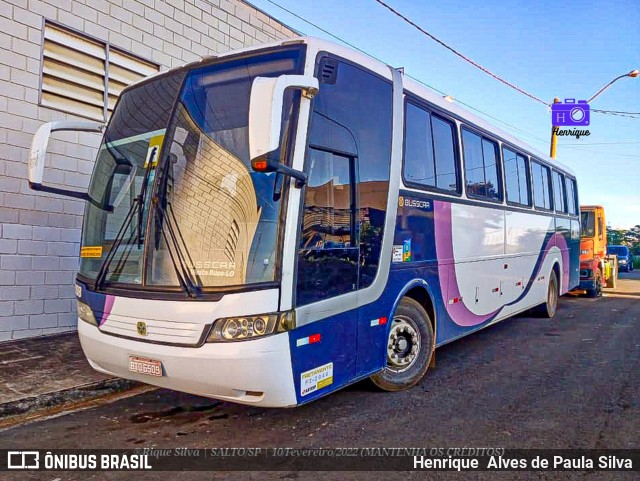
column 569, row 382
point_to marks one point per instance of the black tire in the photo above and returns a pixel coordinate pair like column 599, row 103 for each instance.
column 417, row 331
column 548, row 308
column 597, row 291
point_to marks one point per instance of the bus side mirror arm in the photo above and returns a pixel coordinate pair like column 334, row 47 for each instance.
column 265, row 120
column 301, row 177
column 39, row 150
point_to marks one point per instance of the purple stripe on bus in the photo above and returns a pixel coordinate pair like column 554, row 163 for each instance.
column 458, row 312
column 108, row 305
column 561, row 243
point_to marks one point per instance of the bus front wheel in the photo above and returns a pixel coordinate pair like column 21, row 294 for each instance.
column 409, row 347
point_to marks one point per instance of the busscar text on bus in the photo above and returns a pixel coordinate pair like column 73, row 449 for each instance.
column 272, row 224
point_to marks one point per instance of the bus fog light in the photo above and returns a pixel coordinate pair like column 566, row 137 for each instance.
column 86, row 314
column 251, row 327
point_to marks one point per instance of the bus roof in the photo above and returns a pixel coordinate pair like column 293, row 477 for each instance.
column 411, row 85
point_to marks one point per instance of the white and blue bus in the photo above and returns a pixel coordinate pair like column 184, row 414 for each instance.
column 272, row 224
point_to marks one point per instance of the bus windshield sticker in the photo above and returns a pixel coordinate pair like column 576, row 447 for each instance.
column 397, row 254
column 91, row 251
column 153, row 153
column 316, row 378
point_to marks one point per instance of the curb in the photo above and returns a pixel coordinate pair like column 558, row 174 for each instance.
column 74, row 394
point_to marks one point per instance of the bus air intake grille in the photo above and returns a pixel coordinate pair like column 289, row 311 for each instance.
column 155, row 330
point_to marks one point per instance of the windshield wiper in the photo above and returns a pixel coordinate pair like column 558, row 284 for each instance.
column 104, row 268
column 176, row 245
column 177, row 248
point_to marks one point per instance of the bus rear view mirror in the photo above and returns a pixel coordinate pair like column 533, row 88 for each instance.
column 265, row 119
column 39, row 150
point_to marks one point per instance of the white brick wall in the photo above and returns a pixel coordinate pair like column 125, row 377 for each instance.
column 40, row 233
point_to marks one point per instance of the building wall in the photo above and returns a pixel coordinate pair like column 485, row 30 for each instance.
column 40, row 233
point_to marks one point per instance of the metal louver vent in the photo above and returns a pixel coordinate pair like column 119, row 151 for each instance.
column 124, row 69
column 84, row 76
column 328, row 71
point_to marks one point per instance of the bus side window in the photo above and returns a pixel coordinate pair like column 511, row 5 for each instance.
column 540, row 179
column 558, row 192
column 329, row 206
column 429, row 150
column 571, row 196
column 516, row 175
column 481, row 166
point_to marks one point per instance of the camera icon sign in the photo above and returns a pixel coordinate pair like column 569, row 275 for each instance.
column 571, row 113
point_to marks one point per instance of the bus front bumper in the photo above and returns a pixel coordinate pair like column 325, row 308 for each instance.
column 256, row 372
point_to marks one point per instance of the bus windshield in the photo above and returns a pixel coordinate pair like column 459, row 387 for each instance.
column 588, row 221
column 180, row 201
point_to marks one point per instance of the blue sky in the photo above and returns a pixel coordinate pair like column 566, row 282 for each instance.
column 549, row 48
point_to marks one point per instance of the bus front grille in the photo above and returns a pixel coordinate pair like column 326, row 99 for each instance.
column 156, row 331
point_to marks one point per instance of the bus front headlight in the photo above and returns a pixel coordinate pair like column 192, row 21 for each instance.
column 243, row 328
column 86, row 314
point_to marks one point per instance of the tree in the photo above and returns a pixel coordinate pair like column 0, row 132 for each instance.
column 615, row 237
column 624, row 237
column 632, row 237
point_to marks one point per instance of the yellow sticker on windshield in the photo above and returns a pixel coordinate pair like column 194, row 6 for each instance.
column 153, row 153
column 91, row 251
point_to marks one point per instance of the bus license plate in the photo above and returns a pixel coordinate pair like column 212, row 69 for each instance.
column 143, row 365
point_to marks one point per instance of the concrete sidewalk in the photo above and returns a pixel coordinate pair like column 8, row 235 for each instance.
column 45, row 372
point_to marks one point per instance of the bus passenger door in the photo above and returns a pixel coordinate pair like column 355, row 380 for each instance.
column 342, row 223
column 327, row 267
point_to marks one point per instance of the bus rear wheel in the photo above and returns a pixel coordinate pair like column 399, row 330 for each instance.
column 409, row 348
column 550, row 306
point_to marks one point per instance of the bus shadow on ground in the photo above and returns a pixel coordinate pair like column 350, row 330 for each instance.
column 181, row 410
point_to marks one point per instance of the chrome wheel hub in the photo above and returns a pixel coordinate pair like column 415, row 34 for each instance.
column 403, row 345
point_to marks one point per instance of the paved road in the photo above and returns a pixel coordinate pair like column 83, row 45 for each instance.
column 570, row 382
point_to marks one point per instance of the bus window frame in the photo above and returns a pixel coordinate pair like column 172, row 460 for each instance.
column 550, row 186
column 500, row 173
column 465, row 122
column 564, row 190
column 576, row 203
column 416, row 102
column 527, row 159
